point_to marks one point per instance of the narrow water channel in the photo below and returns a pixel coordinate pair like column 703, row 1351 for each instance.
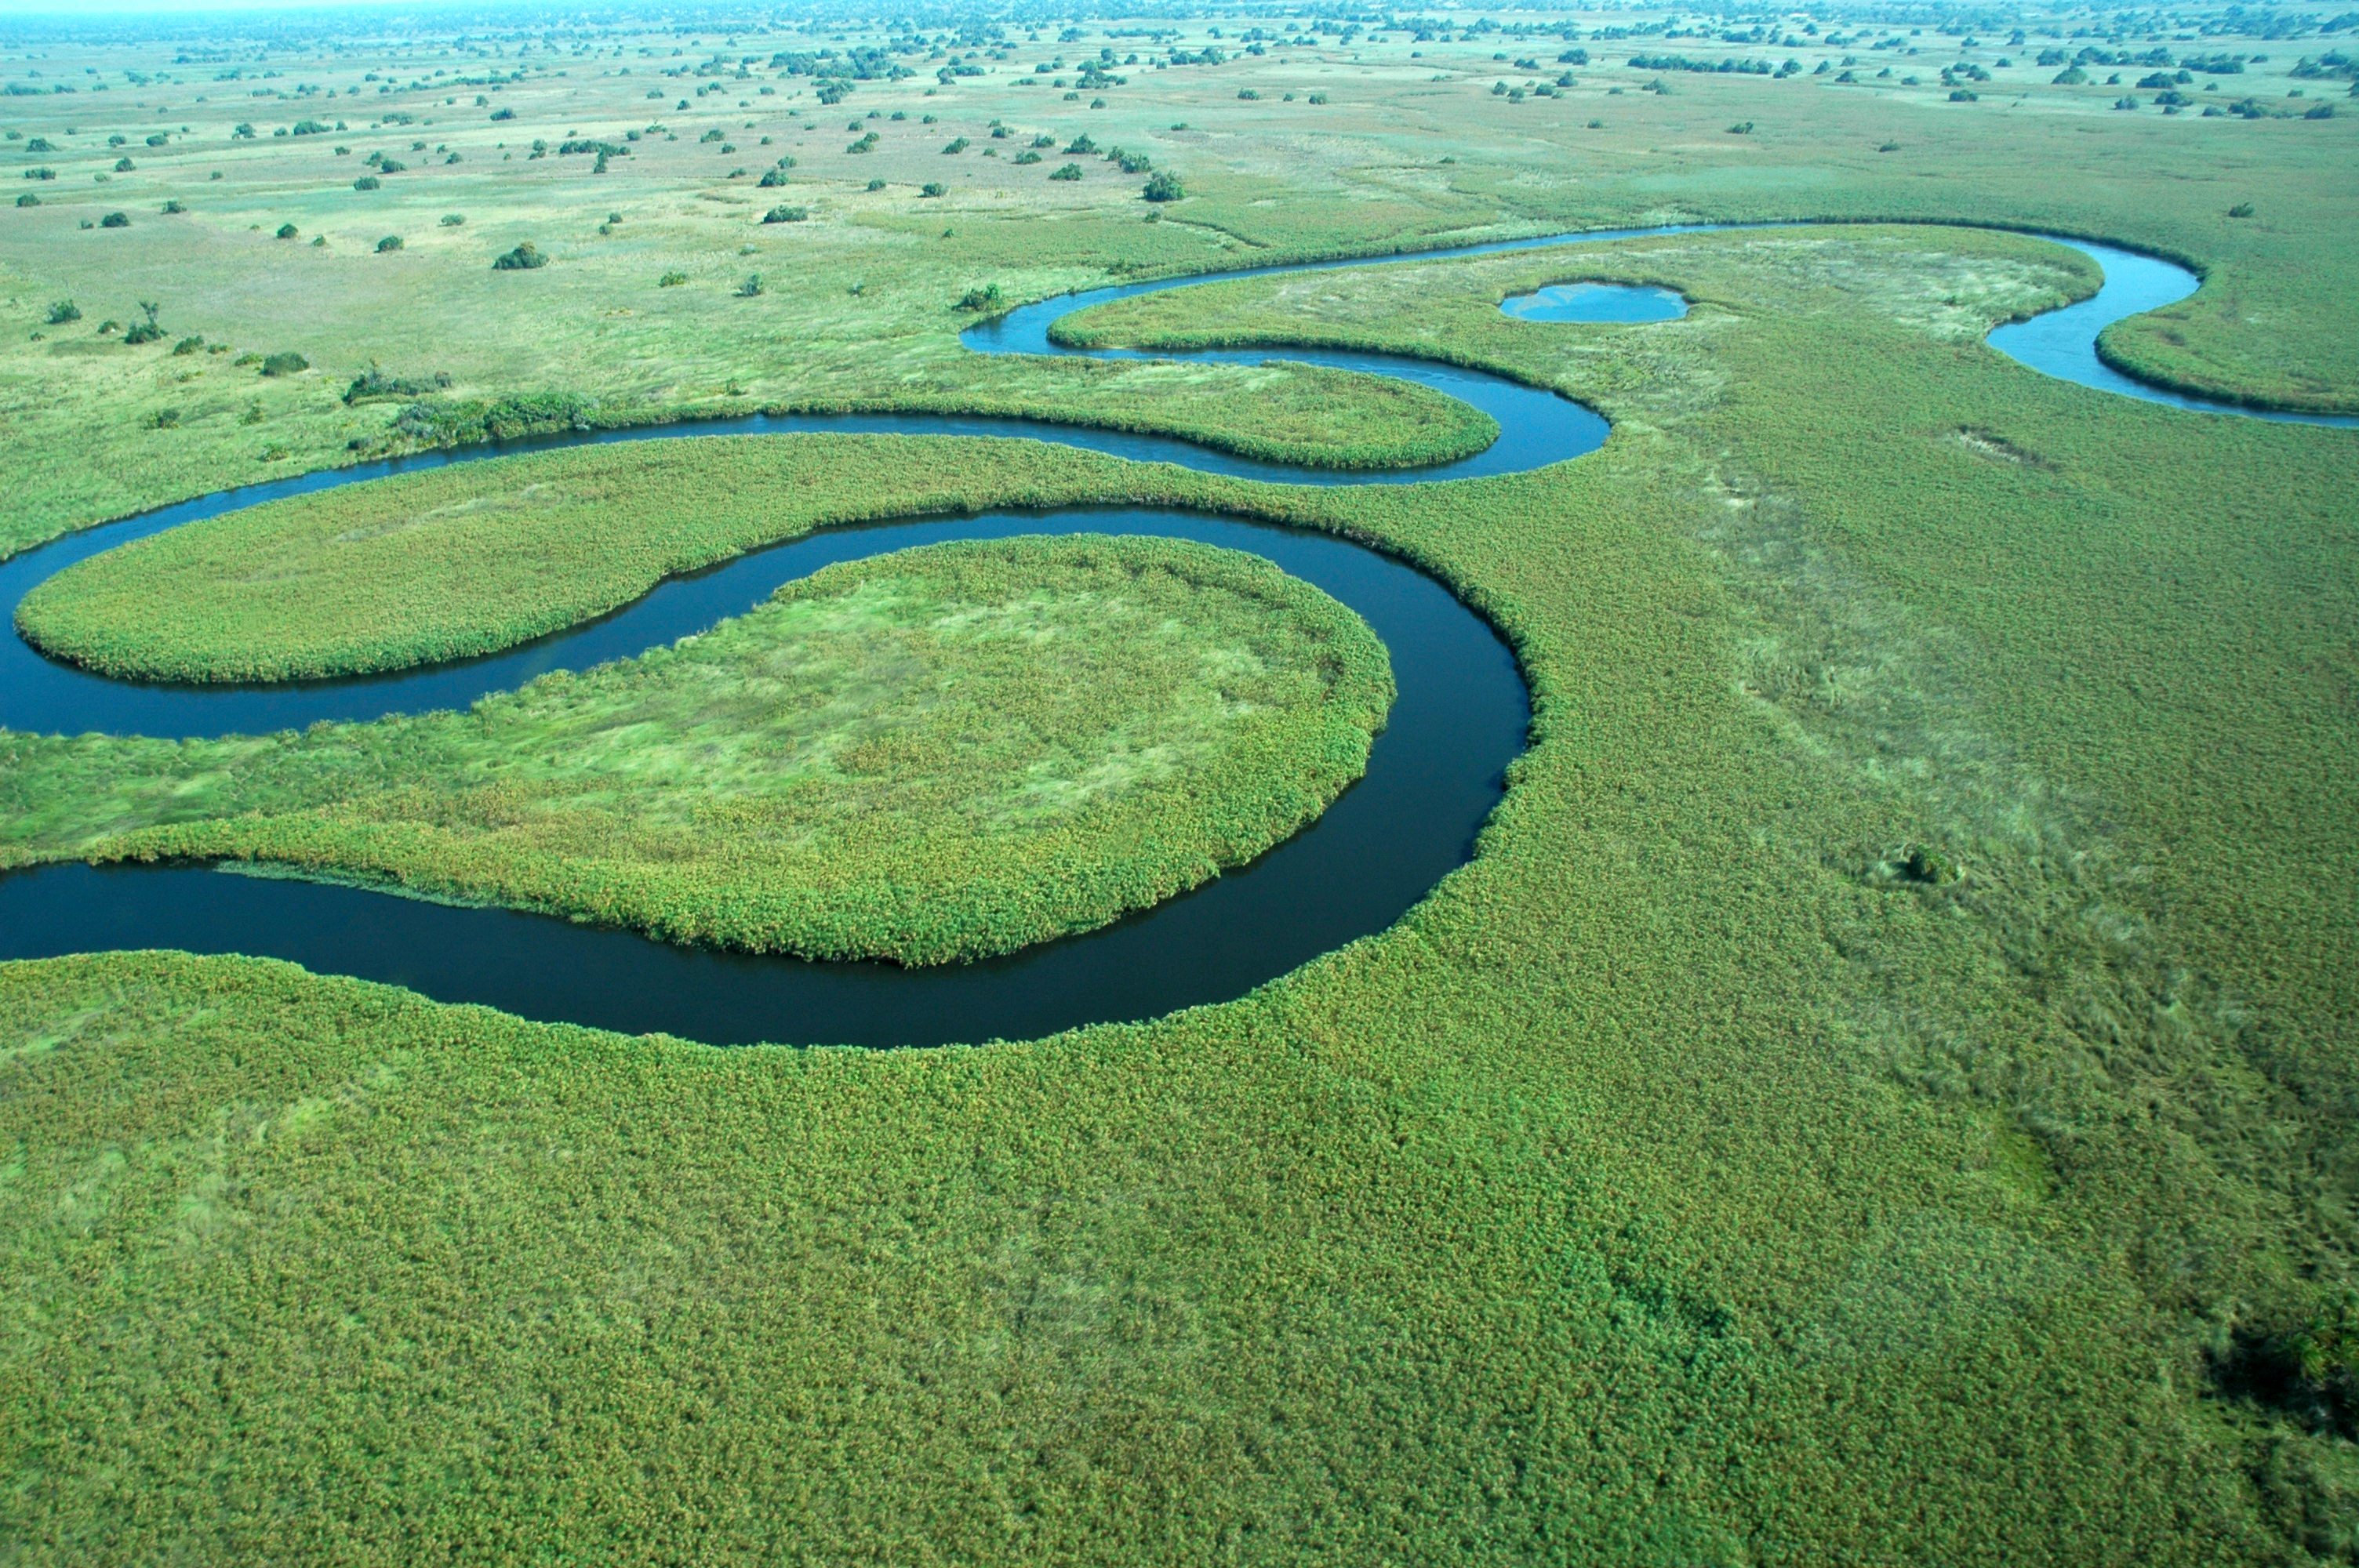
column 1433, row 776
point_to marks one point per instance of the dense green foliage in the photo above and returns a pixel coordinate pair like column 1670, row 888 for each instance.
column 1882, row 1091
column 932, row 755
column 1687, row 1154
column 460, row 561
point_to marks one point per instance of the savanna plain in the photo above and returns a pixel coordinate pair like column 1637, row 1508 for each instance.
column 1883, row 1085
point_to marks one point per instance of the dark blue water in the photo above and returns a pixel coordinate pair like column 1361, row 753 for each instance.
column 1623, row 302
column 1433, row 776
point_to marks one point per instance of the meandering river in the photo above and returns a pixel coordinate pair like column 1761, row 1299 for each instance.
column 1433, row 776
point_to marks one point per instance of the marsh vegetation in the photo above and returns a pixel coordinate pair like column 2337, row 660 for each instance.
column 1882, row 1090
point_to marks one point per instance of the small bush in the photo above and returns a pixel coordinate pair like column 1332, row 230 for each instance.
column 524, row 258
column 116, row 220
column 175, row 205
column 367, row 182
column 390, row 242
column 956, row 144
column 934, row 188
column 188, row 345
column 28, row 200
column 1247, row 94
column 64, row 311
column 285, row 364
column 123, row 166
column 503, row 113
column 786, row 215
column 770, row 177
column 1163, row 186
column 41, row 174
column 984, row 299
column 875, row 184
column 453, row 220
column 671, row 280
column 1319, row 98
column 374, row 385
column 1071, row 171
column 2241, row 209
column 1028, row 156
column 1925, row 864
column 751, row 287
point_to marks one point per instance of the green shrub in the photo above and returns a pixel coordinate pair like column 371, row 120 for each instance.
column 770, row 177
column 957, row 145
column 524, row 258
column 1923, row 863
column 175, row 205
column 1028, row 156
column 751, row 287
column 41, row 174
column 390, row 242
column 188, row 345
column 671, row 280
column 163, row 419
column 502, row 419
column 453, row 220
column 786, row 215
column 116, row 220
column 64, row 311
column 285, row 364
column 987, row 298
column 1163, row 186
column 374, row 385
column 934, row 188
column 122, row 166
column 28, row 200
column 147, row 330
column 367, row 182
column 2241, row 209
column 875, row 184
column 1071, row 171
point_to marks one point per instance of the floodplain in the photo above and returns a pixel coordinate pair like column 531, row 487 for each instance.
column 1879, row 1086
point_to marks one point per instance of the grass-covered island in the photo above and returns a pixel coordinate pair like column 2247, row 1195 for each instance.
column 930, row 755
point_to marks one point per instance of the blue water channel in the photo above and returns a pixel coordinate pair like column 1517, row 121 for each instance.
column 1433, row 776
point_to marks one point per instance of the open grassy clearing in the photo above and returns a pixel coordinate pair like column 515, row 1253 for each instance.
column 1700, row 1176
column 933, row 755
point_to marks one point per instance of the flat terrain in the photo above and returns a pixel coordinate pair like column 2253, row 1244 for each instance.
column 1882, row 1090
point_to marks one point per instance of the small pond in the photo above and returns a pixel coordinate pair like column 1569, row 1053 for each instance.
column 1596, row 302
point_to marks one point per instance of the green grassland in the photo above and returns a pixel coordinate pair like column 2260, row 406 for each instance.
column 1691, row 1179
column 1412, row 149
column 932, row 755
column 456, row 562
